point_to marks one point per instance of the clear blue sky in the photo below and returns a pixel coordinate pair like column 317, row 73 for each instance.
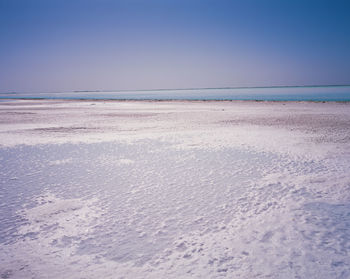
column 57, row 45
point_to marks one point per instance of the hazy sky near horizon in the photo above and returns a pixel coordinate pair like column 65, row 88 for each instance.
column 58, row 45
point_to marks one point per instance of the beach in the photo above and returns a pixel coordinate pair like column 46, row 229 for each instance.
column 174, row 189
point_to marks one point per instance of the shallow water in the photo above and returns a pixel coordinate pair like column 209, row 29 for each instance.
column 307, row 93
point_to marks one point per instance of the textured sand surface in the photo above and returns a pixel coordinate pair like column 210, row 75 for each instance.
column 174, row 189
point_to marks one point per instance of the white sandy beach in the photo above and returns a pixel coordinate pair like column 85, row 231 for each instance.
column 174, row 189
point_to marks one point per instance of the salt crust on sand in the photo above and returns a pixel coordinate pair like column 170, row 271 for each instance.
column 174, row 189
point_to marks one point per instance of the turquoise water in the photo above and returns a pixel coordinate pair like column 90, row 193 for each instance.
column 306, row 93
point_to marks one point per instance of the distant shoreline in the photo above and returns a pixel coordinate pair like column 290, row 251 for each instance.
column 180, row 89
column 173, row 100
column 209, row 88
column 275, row 93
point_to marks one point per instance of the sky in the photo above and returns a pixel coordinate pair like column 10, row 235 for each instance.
column 58, row 45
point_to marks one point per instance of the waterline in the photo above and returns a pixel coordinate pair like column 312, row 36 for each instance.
column 274, row 93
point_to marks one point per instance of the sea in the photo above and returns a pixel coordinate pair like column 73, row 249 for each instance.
column 338, row 93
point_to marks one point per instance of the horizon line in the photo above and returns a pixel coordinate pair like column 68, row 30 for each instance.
column 177, row 89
